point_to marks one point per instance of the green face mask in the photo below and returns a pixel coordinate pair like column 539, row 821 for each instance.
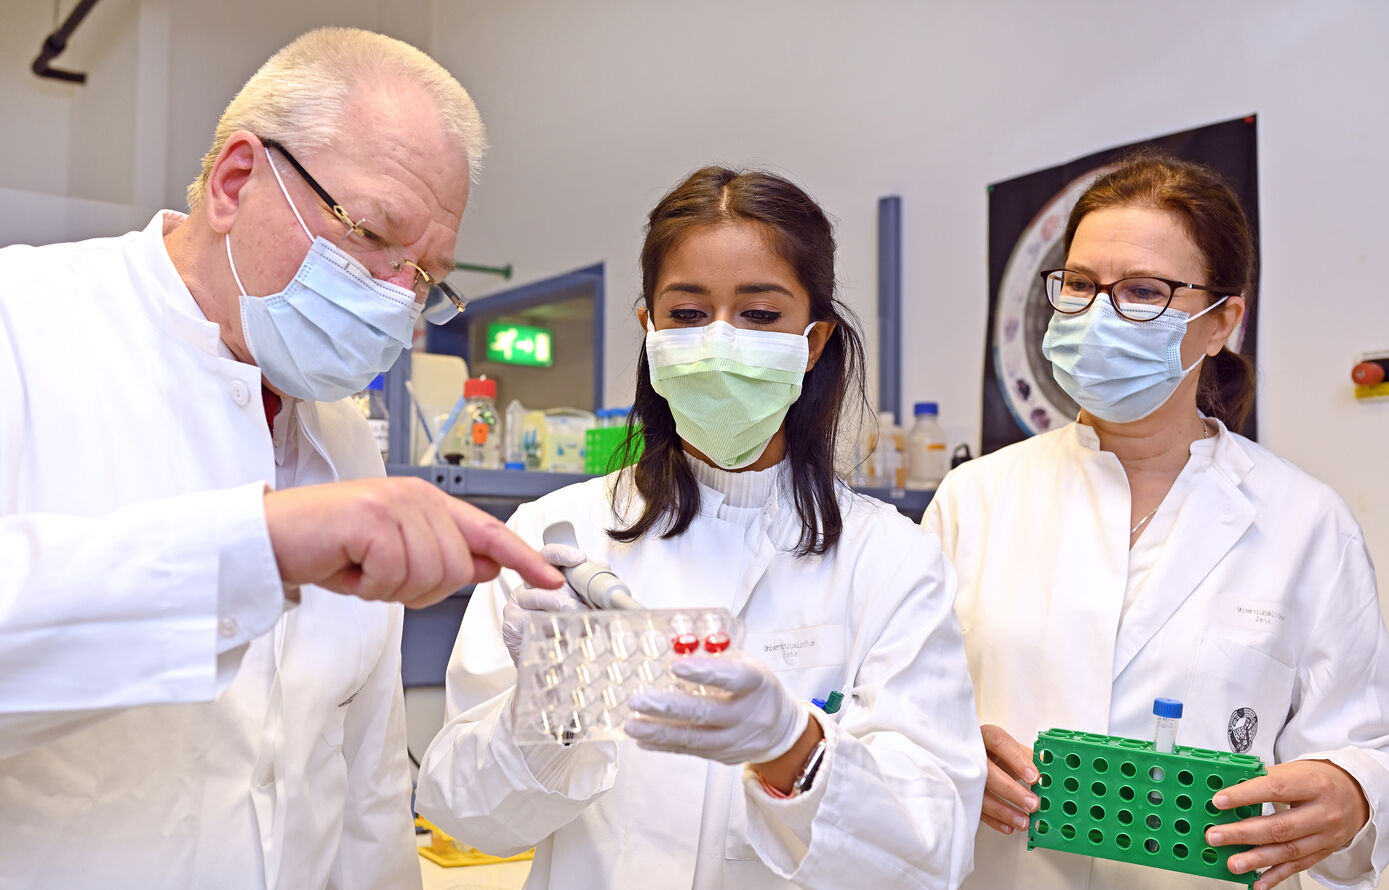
column 729, row 389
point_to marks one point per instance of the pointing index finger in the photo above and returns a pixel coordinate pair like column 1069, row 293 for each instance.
column 487, row 536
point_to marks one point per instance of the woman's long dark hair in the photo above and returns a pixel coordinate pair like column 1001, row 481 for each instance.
column 801, row 234
column 1216, row 223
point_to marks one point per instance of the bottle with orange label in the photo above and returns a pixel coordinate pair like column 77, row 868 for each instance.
column 475, row 439
column 926, row 457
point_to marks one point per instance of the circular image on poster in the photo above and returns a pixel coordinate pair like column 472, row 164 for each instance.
column 1024, row 374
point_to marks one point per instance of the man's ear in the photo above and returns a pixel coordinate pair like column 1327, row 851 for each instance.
column 229, row 175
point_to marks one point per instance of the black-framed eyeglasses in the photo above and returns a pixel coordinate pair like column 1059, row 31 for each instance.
column 442, row 301
column 1137, row 299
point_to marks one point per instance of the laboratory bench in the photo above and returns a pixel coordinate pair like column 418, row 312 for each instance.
column 429, row 633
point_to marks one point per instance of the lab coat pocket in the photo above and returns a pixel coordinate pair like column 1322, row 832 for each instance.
column 1239, row 698
column 805, row 684
column 333, row 723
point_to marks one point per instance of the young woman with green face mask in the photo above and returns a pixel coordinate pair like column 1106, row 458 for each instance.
column 747, row 364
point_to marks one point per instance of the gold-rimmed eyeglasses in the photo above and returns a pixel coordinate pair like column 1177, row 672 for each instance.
column 442, row 301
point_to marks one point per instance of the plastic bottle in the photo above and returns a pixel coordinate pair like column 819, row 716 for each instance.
column 926, row 458
column 475, row 439
column 513, row 434
column 372, row 403
column 886, row 466
column 1168, row 712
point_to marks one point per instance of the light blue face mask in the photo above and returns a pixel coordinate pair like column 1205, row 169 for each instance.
column 1118, row 370
column 332, row 329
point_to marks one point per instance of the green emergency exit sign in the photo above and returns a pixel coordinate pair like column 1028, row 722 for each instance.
column 519, row 344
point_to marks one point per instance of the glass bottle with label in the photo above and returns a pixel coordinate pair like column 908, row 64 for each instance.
column 372, row 403
column 926, row 458
column 475, row 439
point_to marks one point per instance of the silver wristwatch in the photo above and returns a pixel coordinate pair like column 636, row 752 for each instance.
column 812, row 765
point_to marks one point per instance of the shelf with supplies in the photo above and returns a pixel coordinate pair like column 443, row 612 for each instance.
column 489, row 489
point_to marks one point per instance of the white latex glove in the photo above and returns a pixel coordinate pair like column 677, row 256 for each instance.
column 527, row 600
column 755, row 722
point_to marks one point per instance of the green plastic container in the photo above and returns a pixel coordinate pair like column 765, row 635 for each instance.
column 1119, row 799
column 602, row 448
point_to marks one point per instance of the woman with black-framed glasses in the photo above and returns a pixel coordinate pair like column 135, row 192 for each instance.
column 1151, row 551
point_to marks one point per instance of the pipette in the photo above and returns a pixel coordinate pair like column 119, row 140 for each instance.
column 596, row 585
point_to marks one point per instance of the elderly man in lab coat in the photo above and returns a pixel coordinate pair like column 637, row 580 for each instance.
column 187, row 697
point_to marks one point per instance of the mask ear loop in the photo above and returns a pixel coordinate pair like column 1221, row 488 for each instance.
column 284, row 191
column 232, row 263
column 1207, row 309
column 1202, row 357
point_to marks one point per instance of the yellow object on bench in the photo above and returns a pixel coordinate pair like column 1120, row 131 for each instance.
column 445, row 851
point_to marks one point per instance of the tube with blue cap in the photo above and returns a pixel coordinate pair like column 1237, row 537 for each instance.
column 595, row 584
column 1168, row 712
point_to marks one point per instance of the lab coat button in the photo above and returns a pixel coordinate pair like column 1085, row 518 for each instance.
column 227, row 627
column 239, row 393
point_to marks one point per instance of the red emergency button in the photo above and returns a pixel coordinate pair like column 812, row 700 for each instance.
column 716, row 642
column 1368, row 373
column 684, row 644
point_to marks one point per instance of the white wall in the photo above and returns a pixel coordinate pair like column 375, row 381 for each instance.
column 159, row 73
column 595, row 110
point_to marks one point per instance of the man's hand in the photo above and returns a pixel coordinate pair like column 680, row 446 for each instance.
column 1327, row 809
column 1007, row 798
column 399, row 540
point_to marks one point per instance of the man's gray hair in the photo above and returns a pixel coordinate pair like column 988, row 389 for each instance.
column 301, row 95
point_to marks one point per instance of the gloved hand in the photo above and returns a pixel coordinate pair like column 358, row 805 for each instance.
column 527, row 600
column 756, row 721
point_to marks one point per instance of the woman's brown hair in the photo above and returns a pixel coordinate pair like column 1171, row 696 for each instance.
column 800, row 233
column 1216, row 223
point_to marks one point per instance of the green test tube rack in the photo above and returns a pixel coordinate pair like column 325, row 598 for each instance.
column 602, row 449
column 1120, row 799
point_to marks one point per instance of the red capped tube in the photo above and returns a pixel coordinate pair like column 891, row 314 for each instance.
column 716, row 642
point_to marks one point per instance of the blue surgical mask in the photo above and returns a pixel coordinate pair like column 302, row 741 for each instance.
column 1118, row 370
column 332, row 329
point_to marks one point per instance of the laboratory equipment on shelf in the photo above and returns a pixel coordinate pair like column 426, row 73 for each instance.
column 372, row 403
column 886, row 467
column 475, row 437
column 513, row 435
column 926, row 458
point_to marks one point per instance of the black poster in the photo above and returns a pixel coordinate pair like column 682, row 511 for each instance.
column 1027, row 219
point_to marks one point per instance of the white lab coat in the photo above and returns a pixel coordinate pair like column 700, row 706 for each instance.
column 1251, row 588
column 895, row 801
column 165, row 722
